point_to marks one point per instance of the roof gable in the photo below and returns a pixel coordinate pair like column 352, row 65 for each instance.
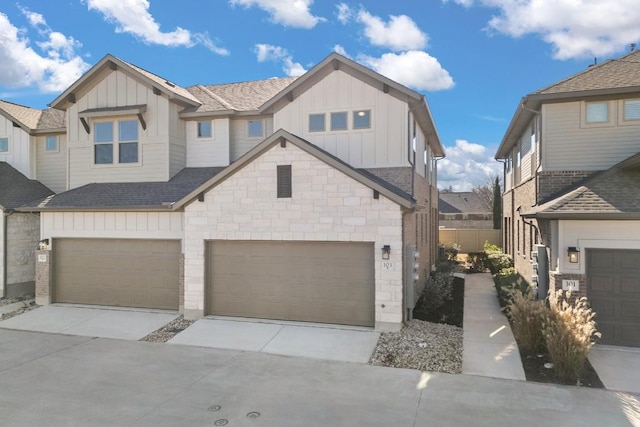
column 364, row 177
column 462, row 202
column 110, row 62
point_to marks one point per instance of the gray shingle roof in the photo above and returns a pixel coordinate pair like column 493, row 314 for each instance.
column 130, row 194
column 244, row 96
column 462, row 202
column 615, row 73
column 17, row 190
column 32, row 118
column 614, row 192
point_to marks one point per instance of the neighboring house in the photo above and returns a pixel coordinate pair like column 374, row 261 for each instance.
column 572, row 184
column 19, row 232
column 464, row 209
column 300, row 199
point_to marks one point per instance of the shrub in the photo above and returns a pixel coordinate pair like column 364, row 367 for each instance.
column 497, row 261
column 527, row 319
column 452, row 252
column 569, row 333
column 489, row 248
column 477, row 262
column 437, row 291
column 507, row 281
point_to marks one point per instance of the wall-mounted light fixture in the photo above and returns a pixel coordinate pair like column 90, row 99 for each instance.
column 386, row 251
column 574, row 254
column 43, row 244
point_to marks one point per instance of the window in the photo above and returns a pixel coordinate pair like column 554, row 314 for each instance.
column 204, row 129
column 632, row 109
column 105, row 144
column 597, row 112
column 362, row 119
column 284, row 181
column 339, row 121
column 316, row 123
column 51, row 143
column 4, row 145
column 255, row 129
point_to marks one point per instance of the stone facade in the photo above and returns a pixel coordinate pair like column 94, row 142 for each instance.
column 23, row 233
column 326, row 205
column 43, row 277
column 553, row 182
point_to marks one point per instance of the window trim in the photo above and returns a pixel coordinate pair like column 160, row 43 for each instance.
column 346, row 121
column 198, row 135
column 46, row 144
column 622, row 120
column 324, row 122
column 355, row 113
column 584, row 111
column 262, row 128
column 8, row 150
column 115, row 143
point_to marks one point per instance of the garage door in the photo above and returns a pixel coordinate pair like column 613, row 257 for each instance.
column 325, row 282
column 614, row 293
column 117, row 272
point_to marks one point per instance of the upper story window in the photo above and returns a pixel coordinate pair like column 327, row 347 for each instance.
column 316, row 122
column 51, row 143
column 632, row 109
column 115, row 140
column 205, row 129
column 597, row 112
column 255, row 128
column 4, row 145
column 339, row 121
column 362, row 119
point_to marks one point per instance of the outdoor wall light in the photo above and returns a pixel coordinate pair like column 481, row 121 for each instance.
column 574, row 254
column 43, row 244
column 386, row 251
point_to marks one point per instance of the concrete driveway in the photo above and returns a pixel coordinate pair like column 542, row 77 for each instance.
column 60, row 380
column 617, row 367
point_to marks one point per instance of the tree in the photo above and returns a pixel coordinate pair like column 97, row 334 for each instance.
column 497, row 204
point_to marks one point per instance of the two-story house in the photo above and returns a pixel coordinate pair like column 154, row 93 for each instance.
column 310, row 199
column 30, row 156
column 572, row 186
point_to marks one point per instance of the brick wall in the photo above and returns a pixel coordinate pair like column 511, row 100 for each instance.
column 552, row 182
column 555, row 283
column 326, row 205
column 43, row 277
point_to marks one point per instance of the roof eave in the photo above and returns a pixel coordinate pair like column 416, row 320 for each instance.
column 581, row 215
column 44, row 209
column 48, row 131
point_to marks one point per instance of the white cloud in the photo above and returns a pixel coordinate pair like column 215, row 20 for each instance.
column 344, row 13
column 399, row 34
column 267, row 52
column 133, row 17
column 415, row 69
column 288, row 13
column 574, row 28
column 341, row 50
column 467, row 164
column 53, row 70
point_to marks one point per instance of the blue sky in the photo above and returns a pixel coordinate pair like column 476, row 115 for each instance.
column 473, row 59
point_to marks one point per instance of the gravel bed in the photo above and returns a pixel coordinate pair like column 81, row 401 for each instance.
column 27, row 307
column 169, row 330
column 7, row 301
column 421, row 345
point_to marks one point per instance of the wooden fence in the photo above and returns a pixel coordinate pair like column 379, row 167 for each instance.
column 469, row 240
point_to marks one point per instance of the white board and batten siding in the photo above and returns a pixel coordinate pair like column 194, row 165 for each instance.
column 209, row 152
column 51, row 166
column 117, row 89
column 114, row 225
column 570, row 145
column 383, row 145
column 19, row 154
column 239, row 141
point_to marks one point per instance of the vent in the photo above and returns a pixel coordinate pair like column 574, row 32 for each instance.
column 284, row 181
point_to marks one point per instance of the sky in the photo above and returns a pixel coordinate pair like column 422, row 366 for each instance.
column 473, row 59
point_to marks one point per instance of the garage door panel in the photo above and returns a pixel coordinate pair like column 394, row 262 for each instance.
column 613, row 288
column 117, row 272
column 307, row 281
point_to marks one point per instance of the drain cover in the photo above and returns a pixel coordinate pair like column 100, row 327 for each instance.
column 221, row 422
column 253, row 414
column 214, row 408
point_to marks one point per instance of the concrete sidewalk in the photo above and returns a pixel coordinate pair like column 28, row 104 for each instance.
column 489, row 348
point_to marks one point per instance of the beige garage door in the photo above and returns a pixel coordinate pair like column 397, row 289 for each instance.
column 117, row 272
column 613, row 290
column 307, row 281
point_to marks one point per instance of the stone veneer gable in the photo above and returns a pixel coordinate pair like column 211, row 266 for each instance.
column 326, row 205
